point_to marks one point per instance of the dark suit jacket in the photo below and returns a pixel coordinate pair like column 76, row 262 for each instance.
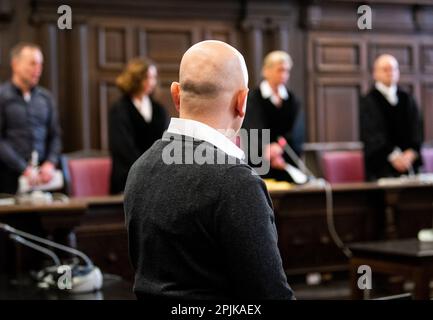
column 201, row 231
column 384, row 127
column 286, row 121
column 130, row 135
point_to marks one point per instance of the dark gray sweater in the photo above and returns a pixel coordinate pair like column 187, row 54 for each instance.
column 201, row 231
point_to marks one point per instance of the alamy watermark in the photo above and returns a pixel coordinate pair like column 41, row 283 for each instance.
column 252, row 142
column 365, row 20
column 65, row 19
column 365, row 281
column 64, row 282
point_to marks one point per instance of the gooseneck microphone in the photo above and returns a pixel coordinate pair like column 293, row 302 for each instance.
column 85, row 278
column 47, row 242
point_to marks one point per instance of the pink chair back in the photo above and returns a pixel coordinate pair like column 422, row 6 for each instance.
column 90, row 176
column 343, row 166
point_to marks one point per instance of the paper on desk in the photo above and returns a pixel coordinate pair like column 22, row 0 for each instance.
column 55, row 183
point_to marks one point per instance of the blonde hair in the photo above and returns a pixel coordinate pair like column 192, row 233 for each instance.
column 19, row 47
column 277, row 56
column 131, row 79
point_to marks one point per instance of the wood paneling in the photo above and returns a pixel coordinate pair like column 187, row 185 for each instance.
column 114, row 47
column 4, row 54
column 337, row 106
column 321, row 36
column 427, row 58
column 108, row 94
column 338, row 55
column 427, row 109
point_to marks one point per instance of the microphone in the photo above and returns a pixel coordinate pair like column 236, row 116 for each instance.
column 36, row 247
column 303, row 174
column 86, row 278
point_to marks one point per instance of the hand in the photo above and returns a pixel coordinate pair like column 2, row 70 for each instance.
column 404, row 161
column 46, row 172
column 278, row 162
column 409, row 157
column 273, row 153
column 273, row 150
column 31, row 175
column 400, row 164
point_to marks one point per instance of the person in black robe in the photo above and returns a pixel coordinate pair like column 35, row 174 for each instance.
column 272, row 106
column 390, row 125
column 136, row 120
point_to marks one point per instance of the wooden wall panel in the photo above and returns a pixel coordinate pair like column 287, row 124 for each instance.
column 114, row 47
column 337, row 109
column 427, row 109
column 321, row 36
column 427, row 58
column 338, row 55
column 4, row 54
column 108, row 94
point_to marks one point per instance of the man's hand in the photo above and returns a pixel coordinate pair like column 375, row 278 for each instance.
column 46, row 172
column 274, row 154
column 31, row 175
column 403, row 162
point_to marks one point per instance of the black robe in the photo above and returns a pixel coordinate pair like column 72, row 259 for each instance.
column 286, row 121
column 130, row 136
column 384, row 127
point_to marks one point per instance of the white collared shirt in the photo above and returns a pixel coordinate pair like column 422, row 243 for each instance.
column 144, row 106
column 390, row 93
column 267, row 92
column 201, row 131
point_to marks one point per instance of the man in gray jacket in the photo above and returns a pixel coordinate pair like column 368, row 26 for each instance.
column 200, row 222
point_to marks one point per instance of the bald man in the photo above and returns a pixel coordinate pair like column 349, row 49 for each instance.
column 200, row 222
column 273, row 106
column 390, row 124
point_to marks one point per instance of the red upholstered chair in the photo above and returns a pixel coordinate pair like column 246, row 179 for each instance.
column 87, row 173
column 427, row 158
column 343, row 166
column 90, row 176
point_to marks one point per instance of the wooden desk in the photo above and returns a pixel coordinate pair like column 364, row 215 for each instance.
column 56, row 221
column 408, row 257
column 362, row 211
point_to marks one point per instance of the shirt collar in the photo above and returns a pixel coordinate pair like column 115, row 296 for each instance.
column 18, row 90
column 266, row 90
column 390, row 93
column 201, row 131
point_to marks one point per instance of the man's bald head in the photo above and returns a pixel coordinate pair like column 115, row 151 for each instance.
column 386, row 70
column 210, row 69
column 212, row 74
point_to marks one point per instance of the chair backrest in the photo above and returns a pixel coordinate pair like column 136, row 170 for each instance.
column 87, row 174
column 427, row 159
column 343, row 166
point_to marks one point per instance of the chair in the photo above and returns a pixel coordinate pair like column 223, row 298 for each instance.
column 427, row 158
column 87, row 173
column 343, row 166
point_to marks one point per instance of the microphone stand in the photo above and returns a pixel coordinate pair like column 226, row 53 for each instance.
column 86, row 278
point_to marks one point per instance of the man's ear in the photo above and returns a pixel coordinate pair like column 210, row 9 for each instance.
column 175, row 94
column 241, row 102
